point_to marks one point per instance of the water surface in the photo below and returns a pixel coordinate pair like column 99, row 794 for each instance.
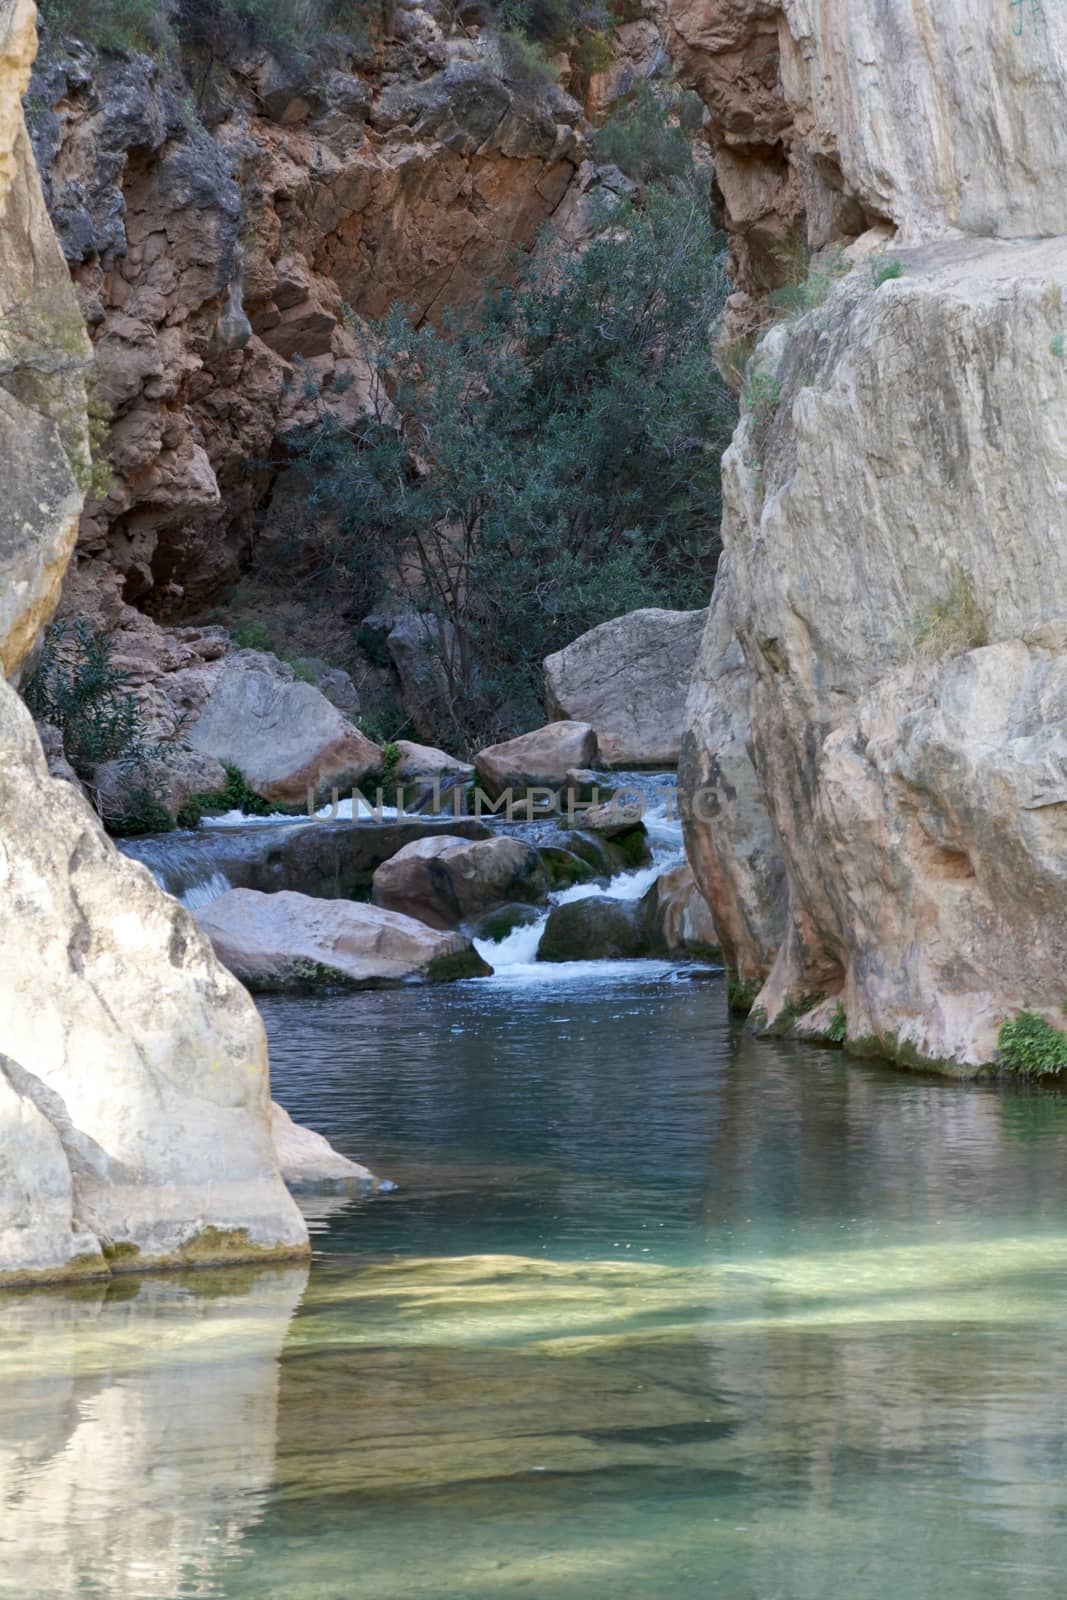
column 655, row 1311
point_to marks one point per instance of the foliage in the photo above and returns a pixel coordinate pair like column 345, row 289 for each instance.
column 763, row 393
column 543, row 462
column 152, row 26
column 1032, row 1047
column 235, row 795
column 78, row 689
column 884, row 269
column 808, row 282
column 390, row 762
column 837, row 1031
column 644, row 140
column 951, row 626
column 251, row 636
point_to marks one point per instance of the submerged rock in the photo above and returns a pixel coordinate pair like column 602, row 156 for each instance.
column 290, row 942
column 628, row 678
column 445, row 881
column 310, row 1164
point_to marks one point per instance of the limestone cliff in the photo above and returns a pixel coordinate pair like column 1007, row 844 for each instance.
column 134, row 1101
column 217, row 222
column 880, row 710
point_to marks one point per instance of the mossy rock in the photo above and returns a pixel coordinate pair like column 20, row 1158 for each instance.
column 565, row 868
column 741, row 992
column 594, row 930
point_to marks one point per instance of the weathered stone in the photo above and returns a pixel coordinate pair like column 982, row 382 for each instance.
column 594, row 930
column 425, row 761
column 171, row 779
column 906, row 688
column 444, row 881
column 287, row 941
column 677, row 918
column 309, row 1163
column 540, row 759
column 128, row 1038
column 628, row 678
column 284, row 735
column 43, row 349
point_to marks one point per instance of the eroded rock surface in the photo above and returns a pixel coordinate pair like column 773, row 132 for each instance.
column 445, row 881
column 288, row 941
column 628, row 679
column 537, row 760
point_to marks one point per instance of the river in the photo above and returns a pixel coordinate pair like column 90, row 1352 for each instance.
column 654, row 1312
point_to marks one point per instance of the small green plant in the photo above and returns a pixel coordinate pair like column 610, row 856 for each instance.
column 114, row 26
column 793, row 1010
column 763, row 393
column 1032, row 1047
column 236, row 795
column 951, row 626
column 808, row 282
column 837, row 1032
column 884, row 269
column 390, row 762
column 251, row 636
column 94, row 476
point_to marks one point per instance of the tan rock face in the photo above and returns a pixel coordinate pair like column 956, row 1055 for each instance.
column 901, row 623
column 213, row 248
column 628, row 678
column 283, row 734
column 291, row 941
column 444, row 881
column 309, row 1163
column 831, row 115
column 43, row 351
column 540, row 759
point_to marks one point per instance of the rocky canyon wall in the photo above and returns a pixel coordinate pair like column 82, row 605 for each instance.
column 217, row 219
column 879, row 716
column 134, row 1096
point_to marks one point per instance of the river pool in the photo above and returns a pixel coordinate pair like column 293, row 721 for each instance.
column 655, row 1311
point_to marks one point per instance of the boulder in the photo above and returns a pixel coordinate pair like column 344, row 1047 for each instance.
column 540, row 759
column 444, row 881
column 628, row 678
column 612, row 819
column 135, row 1068
column 594, row 930
column 291, row 942
column 283, row 734
column 426, row 761
column 310, row 1164
column 677, row 918
column 170, row 779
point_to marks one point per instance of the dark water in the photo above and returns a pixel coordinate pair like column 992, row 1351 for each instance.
column 655, row 1311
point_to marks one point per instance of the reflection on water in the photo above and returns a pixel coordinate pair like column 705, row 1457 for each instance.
column 656, row 1312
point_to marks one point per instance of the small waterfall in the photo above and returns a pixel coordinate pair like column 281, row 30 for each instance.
column 658, row 794
column 180, row 865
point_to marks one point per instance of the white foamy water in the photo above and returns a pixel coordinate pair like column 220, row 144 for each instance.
column 516, row 956
column 363, row 811
column 202, row 894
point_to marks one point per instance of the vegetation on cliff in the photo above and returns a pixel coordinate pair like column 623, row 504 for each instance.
column 541, row 462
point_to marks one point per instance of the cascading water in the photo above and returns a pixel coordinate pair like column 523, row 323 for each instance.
column 516, row 956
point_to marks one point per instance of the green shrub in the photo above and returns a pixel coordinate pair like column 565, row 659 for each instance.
column 763, row 394
column 563, row 488
column 808, row 282
column 251, row 636
column 78, row 689
column 1032, row 1047
column 837, row 1032
column 640, row 138
column 114, row 26
column 236, row 795
column 884, row 269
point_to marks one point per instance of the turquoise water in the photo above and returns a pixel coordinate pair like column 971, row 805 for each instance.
column 655, row 1312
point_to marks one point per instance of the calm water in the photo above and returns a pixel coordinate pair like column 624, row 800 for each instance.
column 655, row 1312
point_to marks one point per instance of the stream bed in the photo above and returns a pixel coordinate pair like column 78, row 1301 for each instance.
column 655, row 1311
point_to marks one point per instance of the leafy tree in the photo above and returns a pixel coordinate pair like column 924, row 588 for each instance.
column 540, row 463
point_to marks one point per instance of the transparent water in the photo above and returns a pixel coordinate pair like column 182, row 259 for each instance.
column 655, row 1312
